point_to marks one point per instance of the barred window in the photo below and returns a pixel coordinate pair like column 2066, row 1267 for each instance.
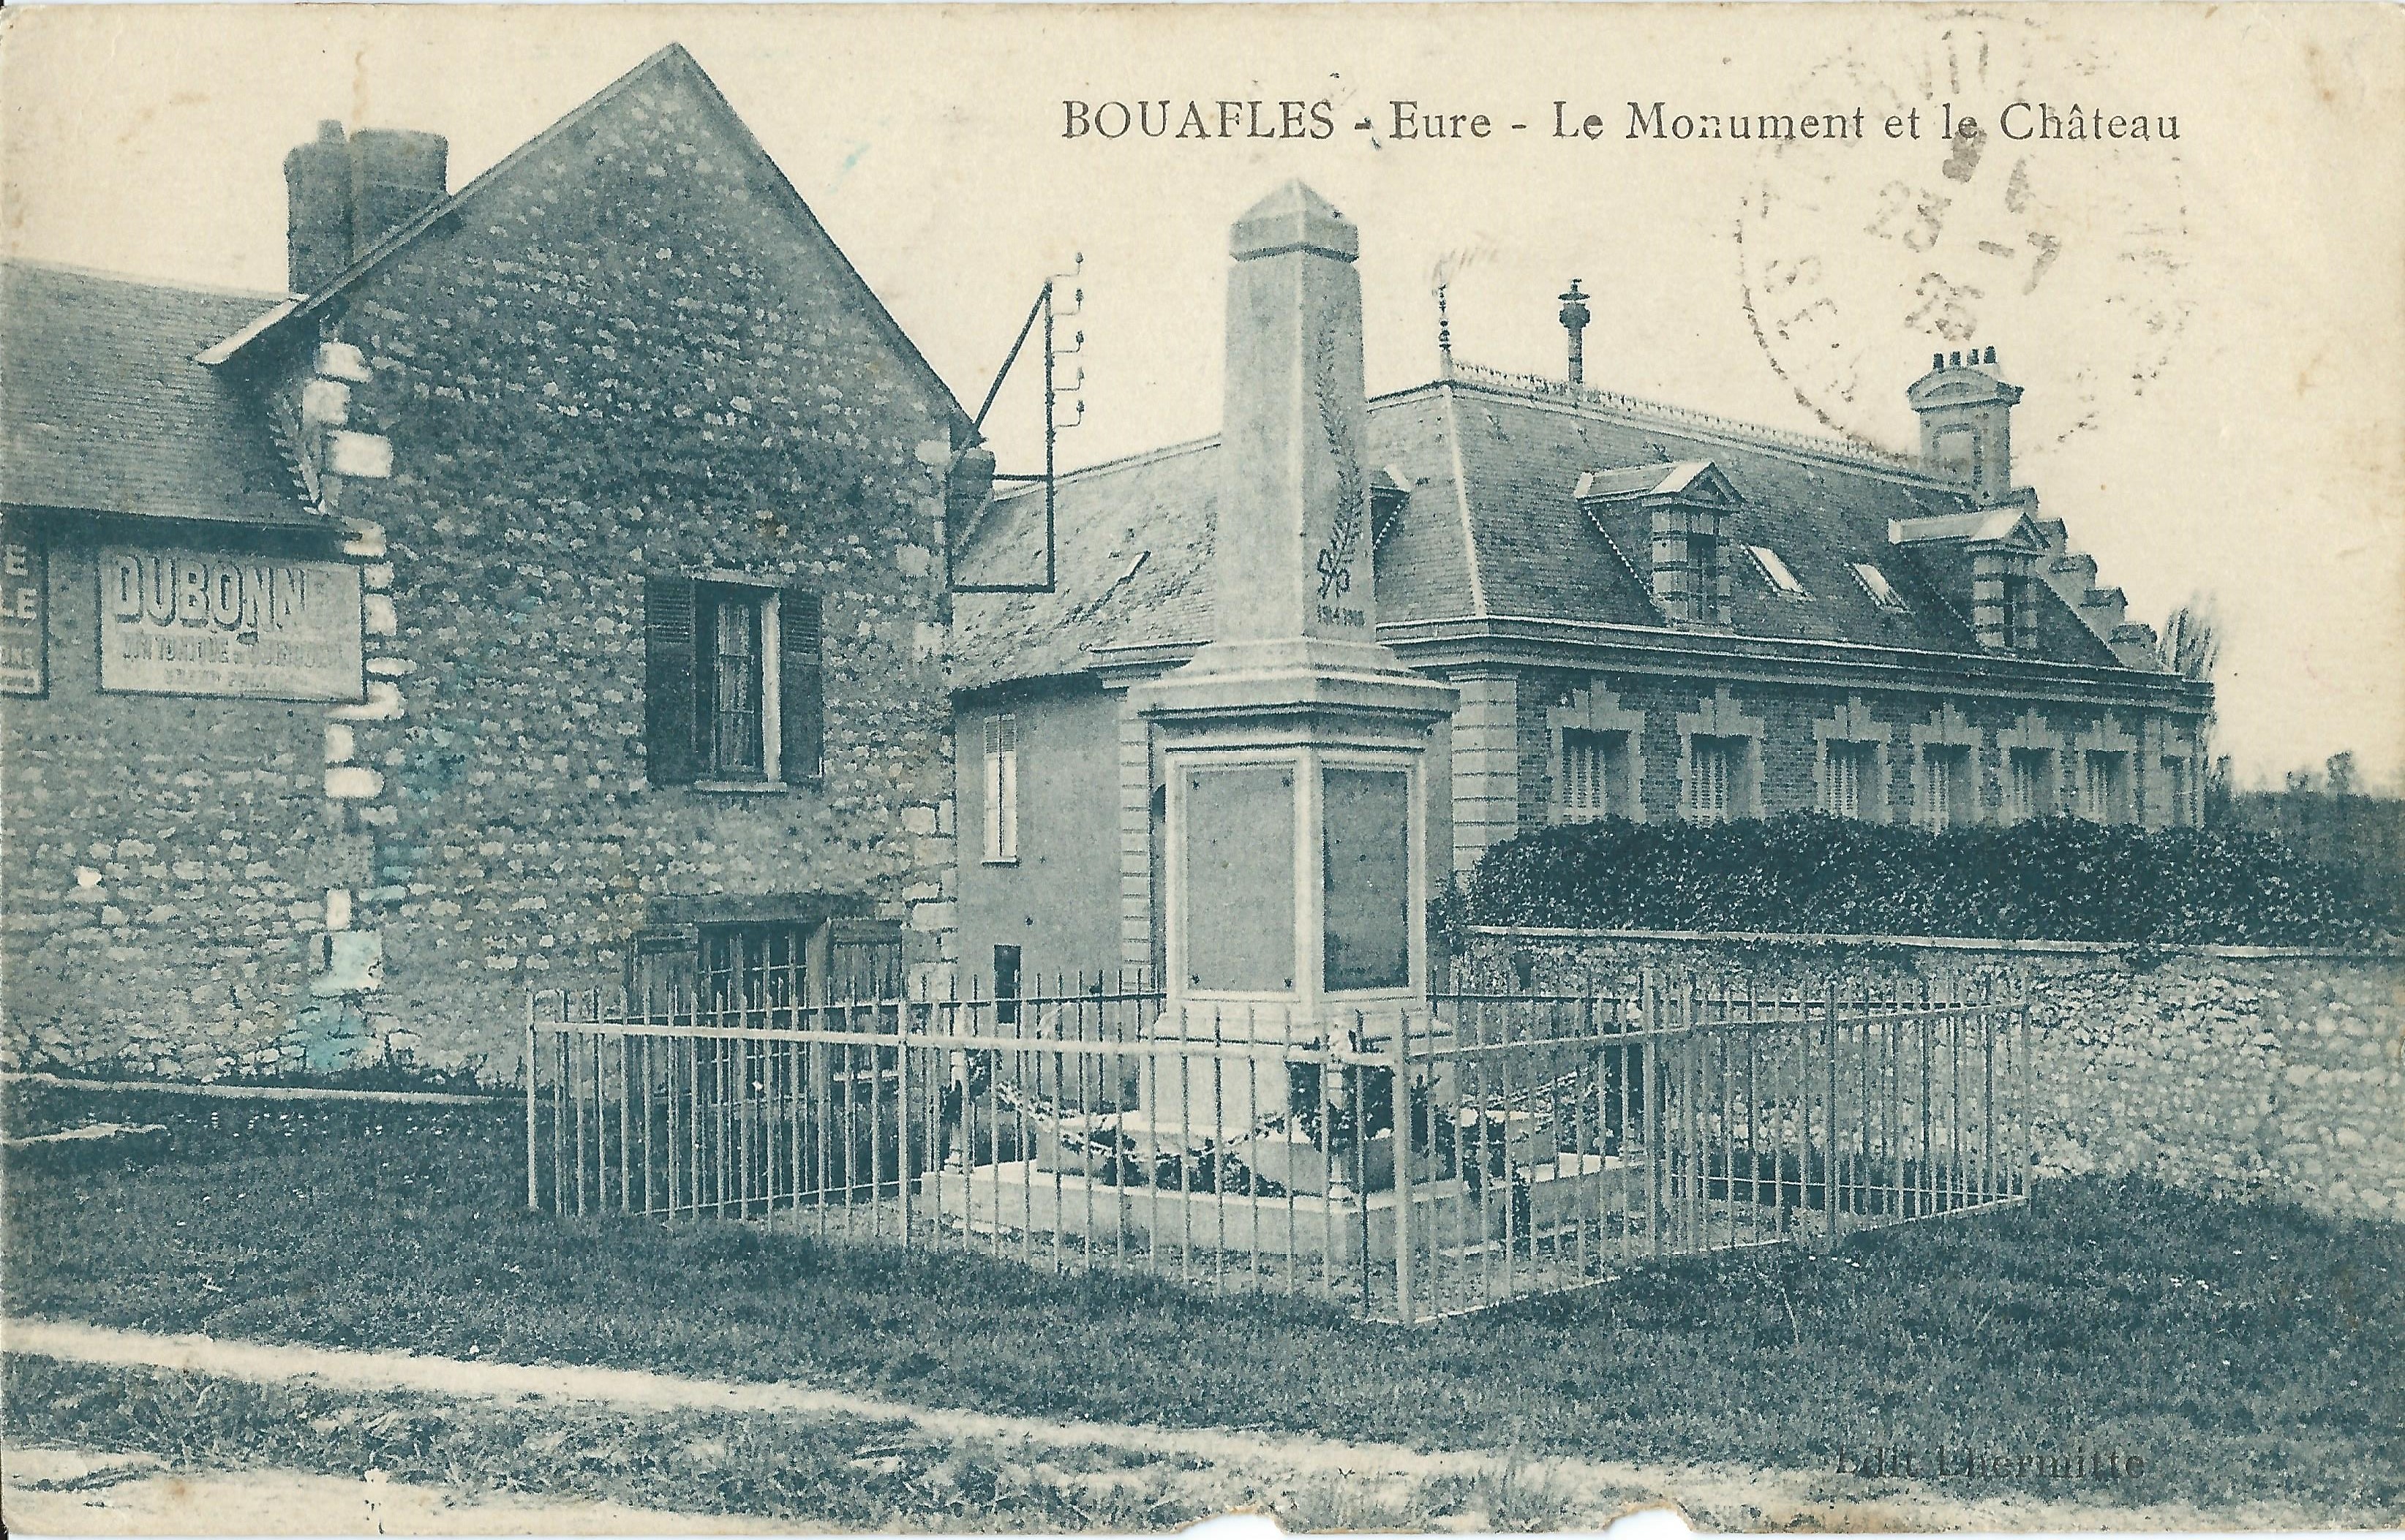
column 2176, row 791
column 754, row 967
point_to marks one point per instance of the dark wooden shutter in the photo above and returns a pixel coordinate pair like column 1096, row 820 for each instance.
column 801, row 686
column 670, row 713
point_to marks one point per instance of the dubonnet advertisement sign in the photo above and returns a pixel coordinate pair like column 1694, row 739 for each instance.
column 24, row 598
column 188, row 623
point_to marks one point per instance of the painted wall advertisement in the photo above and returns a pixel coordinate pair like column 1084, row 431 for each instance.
column 25, row 611
column 189, row 622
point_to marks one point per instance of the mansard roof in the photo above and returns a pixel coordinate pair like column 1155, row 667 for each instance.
column 1507, row 477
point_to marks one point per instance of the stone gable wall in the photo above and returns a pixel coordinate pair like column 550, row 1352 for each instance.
column 629, row 353
column 2226, row 1071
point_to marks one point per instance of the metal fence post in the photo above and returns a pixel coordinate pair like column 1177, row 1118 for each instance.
column 533, row 1202
column 902, row 1110
column 1401, row 1098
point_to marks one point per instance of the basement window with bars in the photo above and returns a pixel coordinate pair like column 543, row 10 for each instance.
column 1595, row 775
column 1849, row 784
column 1001, row 789
column 732, row 683
column 763, row 967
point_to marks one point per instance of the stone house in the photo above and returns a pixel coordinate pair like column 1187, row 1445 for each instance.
column 546, row 592
column 1648, row 612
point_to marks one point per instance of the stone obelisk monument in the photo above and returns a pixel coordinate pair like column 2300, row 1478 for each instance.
column 1294, row 745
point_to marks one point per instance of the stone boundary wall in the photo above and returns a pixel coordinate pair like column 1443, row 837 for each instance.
column 2241, row 1071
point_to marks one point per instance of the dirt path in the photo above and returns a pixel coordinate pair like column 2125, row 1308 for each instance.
column 1725, row 1498
column 76, row 1491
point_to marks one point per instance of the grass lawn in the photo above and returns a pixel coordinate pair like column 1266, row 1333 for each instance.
column 2242, row 1350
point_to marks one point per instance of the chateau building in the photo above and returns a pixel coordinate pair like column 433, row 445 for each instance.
column 1648, row 612
column 547, row 592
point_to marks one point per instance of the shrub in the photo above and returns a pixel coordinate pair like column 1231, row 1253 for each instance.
column 2057, row 879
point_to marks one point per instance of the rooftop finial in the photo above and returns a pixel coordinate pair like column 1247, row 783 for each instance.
column 1574, row 317
column 1443, row 336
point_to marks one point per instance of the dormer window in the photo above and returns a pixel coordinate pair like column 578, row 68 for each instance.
column 2020, row 610
column 1663, row 518
column 1874, row 583
column 1775, row 571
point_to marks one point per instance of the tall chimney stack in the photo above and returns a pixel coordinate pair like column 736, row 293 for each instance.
column 1574, row 319
column 346, row 193
column 1966, row 423
column 317, row 189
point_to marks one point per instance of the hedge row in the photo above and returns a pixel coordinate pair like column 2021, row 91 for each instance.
column 2058, row 880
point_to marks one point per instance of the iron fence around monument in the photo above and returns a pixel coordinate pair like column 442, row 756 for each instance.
column 1404, row 1164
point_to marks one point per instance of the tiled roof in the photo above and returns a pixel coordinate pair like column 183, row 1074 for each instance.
column 103, row 409
column 1493, row 530
column 1134, row 554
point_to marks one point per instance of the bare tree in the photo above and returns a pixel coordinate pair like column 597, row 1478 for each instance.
column 2192, row 639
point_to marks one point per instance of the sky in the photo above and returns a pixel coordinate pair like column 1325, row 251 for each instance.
column 2210, row 329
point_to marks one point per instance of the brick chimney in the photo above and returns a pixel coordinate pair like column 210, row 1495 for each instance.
column 1965, row 410
column 345, row 192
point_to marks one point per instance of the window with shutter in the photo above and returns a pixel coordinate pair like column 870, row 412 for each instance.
column 1946, row 786
column 733, row 683
column 1714, row 765
column 801, row 686
column 1001, row 789
column 670, row 604
column 1848, row 787
column 2031, row 793
column 1595, row 775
